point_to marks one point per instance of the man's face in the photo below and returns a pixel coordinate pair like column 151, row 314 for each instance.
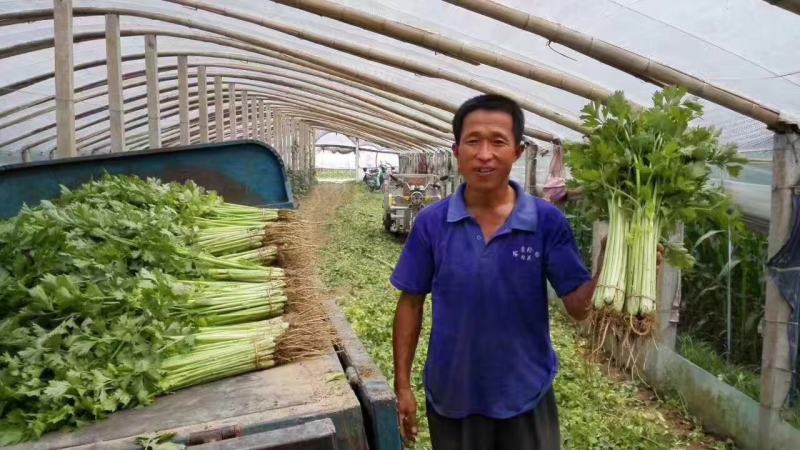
column 487, row 149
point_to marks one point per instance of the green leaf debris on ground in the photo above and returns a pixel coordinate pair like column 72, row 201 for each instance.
column 596, row 411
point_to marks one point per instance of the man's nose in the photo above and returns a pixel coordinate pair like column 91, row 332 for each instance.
column 484, row 151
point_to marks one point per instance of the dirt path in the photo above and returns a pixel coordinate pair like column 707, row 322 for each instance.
column 598, row 409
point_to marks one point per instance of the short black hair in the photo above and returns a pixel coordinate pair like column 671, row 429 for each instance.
column 490, row 102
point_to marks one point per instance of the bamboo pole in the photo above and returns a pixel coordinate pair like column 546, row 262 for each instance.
column 232, row 110
column 788, row 5
column 151, row 69
column 64, row 78
column 114, row 70
column 357, row 153
column 202, row 106
column 245, row 115
column 260, row 121
column 253, row 118
column 218, row 108
column 269, row 124
column 183, row 92
column 625, row 60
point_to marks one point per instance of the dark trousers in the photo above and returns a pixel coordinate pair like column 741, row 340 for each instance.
column 536, row 430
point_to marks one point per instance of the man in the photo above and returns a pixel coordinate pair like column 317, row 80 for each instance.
column 486, row 254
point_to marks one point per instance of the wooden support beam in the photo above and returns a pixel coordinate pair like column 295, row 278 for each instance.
column 202, row 105
column 357, row 154
column 115, row 99
column 64, row 79
column 151, row 72
column 253, row 117
column 260, row 121
column 531, row 155
column 232, row 110
column 669, row 298
column 776, row 371
column 245, row 116
column 183, row 96
column 269, row 125
column 277, row 136
column 218, row 112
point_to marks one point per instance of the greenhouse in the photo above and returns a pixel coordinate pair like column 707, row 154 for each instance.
column 204, row 201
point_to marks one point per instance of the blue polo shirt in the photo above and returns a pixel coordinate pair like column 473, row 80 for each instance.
column 490, row 351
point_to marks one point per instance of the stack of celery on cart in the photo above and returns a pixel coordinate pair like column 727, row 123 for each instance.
column 126, row 289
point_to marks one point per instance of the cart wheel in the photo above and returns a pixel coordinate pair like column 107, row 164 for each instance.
column 387, row 222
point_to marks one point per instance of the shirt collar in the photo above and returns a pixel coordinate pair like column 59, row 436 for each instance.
column 523, row 217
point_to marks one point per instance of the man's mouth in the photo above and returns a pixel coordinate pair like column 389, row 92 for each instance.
column 485, row 171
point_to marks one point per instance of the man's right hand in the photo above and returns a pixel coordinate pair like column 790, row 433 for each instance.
column 407, row 410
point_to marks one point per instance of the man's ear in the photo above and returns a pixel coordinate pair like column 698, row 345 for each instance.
column 519, row 150
column 455, row 150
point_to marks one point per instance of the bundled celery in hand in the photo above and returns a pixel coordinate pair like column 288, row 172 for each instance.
column 646, row 171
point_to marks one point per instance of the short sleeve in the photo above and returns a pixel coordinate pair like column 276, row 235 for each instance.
column 564, row 267
column 414, row 271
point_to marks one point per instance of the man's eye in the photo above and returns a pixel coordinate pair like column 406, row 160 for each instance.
column 499, row 142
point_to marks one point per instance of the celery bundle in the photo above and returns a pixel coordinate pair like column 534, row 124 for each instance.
column 645, row 171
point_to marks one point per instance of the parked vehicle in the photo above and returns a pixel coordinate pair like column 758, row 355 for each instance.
column 404, row 197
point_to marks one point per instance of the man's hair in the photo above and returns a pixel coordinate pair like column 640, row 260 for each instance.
column 490, row 102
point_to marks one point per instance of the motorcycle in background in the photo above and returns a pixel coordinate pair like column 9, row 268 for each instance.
column 372, row 178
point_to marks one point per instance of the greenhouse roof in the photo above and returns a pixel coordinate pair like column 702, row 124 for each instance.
column 393, row 72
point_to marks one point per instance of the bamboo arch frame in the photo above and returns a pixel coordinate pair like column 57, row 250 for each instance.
column 429, row 70
column 170, row 104
column 624, row 60
column 319, row 103
column 274, row 58
column 340, row 122
column 308, row 85
column 134, row 122
column 556, row 79
column 367, row 131
column 611, row 55
column 140, row 97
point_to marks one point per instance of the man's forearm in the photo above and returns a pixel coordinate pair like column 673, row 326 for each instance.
column 407, row 326
column 579, row 302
